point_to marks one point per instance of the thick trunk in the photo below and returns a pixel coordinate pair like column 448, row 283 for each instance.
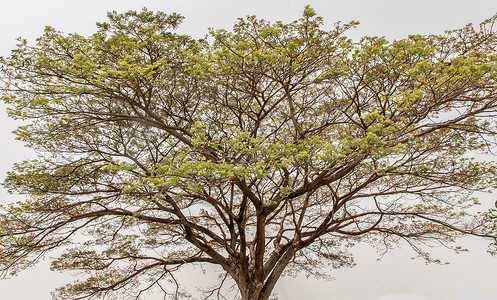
column 253, row 292
column 251, row 289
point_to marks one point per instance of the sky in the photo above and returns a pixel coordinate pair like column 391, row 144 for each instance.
column 469, row 276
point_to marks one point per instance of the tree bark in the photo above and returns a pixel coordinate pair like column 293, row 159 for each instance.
column 253, row 289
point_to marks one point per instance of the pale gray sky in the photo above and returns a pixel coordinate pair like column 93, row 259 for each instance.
column 470, row 276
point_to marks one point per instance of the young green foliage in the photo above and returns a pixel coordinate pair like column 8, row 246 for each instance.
column 272, row 149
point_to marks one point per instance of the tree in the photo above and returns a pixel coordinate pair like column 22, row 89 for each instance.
column 272, row 148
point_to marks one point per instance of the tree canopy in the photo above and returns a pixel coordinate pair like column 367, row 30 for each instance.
column 272, row 148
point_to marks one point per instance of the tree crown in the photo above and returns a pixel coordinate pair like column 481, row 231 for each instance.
column 267, row 148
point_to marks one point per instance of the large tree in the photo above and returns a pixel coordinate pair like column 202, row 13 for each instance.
column 269, row 148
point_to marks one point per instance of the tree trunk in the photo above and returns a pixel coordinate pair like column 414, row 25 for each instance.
column 251, row 291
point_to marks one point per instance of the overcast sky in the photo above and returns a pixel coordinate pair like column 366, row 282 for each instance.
column 470, row 276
